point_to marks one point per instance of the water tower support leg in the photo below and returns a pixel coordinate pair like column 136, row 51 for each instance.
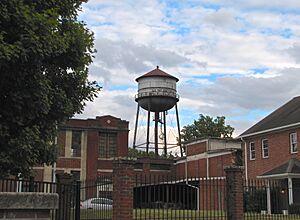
column 178, row 127
column 156, row 119
column 148, row 126
column 136, row 125
column 165, row 134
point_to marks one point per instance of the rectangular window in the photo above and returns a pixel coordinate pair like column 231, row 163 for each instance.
column 107, row 145
column 76, row 144
column 265, row 148
column 252, row 150
column 293, row 143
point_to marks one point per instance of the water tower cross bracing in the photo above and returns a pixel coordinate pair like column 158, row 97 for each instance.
column 157, row 94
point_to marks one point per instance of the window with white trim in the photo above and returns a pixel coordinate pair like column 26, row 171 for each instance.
column 293, row 142
column 265, row 148
column 252, row 150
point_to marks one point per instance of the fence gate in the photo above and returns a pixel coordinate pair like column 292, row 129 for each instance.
column 96, row 199
column 165, row 197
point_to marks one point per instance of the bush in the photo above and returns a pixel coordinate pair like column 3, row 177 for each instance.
column 255, row 200
column 294, row 208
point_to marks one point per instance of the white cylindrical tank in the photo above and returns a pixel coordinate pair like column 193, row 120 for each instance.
column 157, row 91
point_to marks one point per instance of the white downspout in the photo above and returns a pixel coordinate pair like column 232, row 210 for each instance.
column 245, row 159
column 207, row 160
column 186, row 161
column 290, row 189
column 269, row 210
column 54, row 164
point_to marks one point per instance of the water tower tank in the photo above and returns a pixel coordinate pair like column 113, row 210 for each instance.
column 156, row 91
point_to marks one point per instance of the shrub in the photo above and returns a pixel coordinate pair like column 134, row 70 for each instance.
column 294, row 208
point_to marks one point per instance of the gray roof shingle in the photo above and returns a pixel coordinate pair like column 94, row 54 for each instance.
column 287, row 114
column 292, row 166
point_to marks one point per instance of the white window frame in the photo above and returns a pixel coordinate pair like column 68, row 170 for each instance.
column 251, row 150
column 293, row 142
column 263, row 148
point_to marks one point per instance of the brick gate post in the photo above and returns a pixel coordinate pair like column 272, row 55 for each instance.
column 123, row 183
column 234, row 192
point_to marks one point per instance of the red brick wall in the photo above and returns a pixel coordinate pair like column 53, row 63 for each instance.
column 92, row 154
column 198, row 168
column 279, row 152
column 93, row 127
column 234, row 193
column 68, row 163
column 104, row 164
column 122, row 143
column 212, row 194
column 217, row 164
column 123, row 183
column 196, row 148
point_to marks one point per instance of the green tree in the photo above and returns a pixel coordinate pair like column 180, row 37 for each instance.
column 135, row 153
column 44, row 56
column 207, row 126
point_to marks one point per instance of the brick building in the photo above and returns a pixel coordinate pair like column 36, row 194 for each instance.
column 271, row 148
column 87, row 148
column 207, row 157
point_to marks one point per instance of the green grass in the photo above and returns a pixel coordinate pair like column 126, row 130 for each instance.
column 95, row 214
column 166, row 214
column 258, row 216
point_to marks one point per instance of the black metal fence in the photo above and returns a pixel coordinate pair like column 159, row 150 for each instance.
column 270, row 199
column 166, row 197
column 67, row 194
column 96, row 198
column 27, row 185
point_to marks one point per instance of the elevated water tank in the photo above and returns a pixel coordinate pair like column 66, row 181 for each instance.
column 157, row 91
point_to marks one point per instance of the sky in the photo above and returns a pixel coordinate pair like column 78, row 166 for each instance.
column 239, row 59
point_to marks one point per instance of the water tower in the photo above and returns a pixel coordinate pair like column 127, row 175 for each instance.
column 157, row 94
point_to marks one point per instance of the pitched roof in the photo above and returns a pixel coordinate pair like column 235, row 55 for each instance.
column 292, row 166
column 157, row 72
column 286, row 115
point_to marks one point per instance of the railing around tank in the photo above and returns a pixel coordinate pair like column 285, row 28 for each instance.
column 157, row 93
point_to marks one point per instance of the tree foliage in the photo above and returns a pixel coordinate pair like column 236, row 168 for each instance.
column 207, row 126
column 44, row 56
column 135, row 153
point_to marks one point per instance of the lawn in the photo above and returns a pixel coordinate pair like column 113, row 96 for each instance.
column 166, row 214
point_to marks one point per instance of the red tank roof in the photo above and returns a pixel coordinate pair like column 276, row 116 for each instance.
column 157, row 72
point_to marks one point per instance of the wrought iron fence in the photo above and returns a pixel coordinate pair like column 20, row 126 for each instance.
column 67, row 194
column 166, row 197
column 271, row 199
column 26, row 185
column 96, row 198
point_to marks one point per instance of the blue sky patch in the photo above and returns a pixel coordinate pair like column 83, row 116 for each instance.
column 119, row 87
column 259, row 70
column 285, row 33
column 215, row 76
column 252, row 115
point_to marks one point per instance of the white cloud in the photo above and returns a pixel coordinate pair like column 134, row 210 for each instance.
column 195, row 42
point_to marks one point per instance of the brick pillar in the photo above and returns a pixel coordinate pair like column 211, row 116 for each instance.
column 234, row 192
column 123, row 183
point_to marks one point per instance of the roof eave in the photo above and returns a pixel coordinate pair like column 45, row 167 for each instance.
column 269, row 130
column 279, row 176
